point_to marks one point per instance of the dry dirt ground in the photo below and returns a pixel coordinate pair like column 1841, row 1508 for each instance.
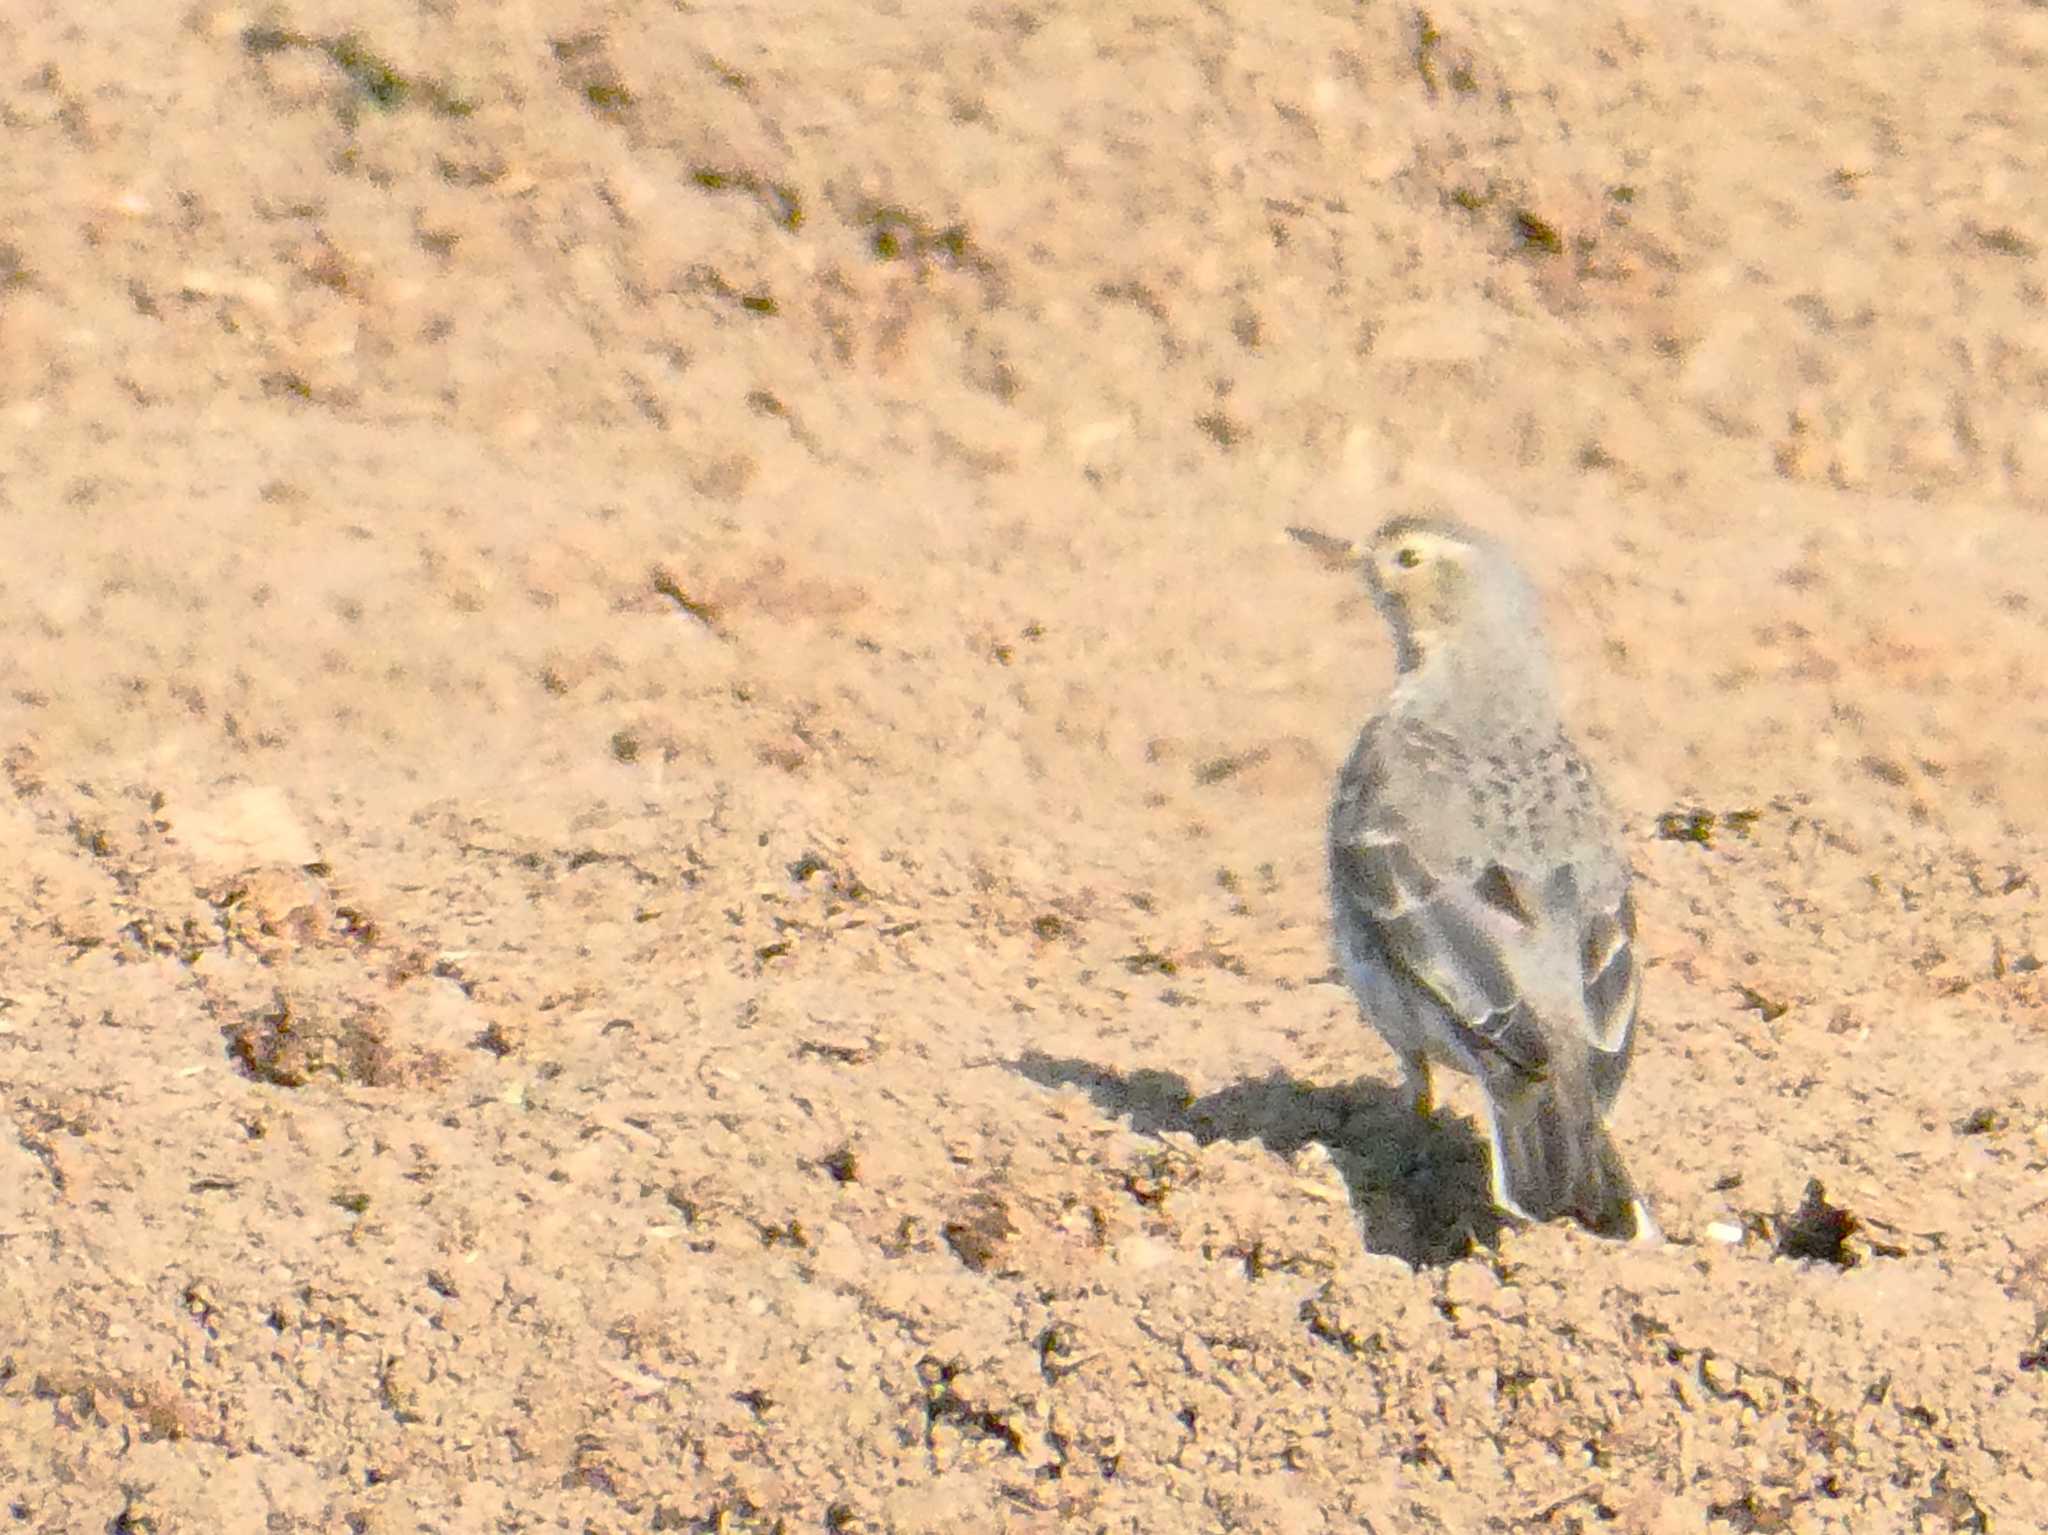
column 664, row 760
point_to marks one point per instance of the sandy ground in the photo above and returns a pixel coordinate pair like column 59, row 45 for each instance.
column 664, row 760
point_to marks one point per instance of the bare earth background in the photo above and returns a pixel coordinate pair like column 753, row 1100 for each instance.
column 664, row 760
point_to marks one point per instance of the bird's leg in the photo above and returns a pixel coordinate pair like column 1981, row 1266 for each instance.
column 1415, row 1074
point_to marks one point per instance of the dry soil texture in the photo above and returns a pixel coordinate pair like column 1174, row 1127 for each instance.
column 664, row 760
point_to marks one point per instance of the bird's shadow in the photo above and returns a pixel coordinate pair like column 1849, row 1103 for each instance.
column 1420, row 1188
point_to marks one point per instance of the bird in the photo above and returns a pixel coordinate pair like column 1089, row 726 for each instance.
column 1480, row 894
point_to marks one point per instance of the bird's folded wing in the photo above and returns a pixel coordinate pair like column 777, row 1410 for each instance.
column 1434, row 932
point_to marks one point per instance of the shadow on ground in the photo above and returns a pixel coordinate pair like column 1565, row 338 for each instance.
column 1419, row 1187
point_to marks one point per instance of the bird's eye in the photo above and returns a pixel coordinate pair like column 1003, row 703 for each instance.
column 1408, row 558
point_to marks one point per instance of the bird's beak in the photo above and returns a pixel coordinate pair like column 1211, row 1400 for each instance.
column 1331, row 552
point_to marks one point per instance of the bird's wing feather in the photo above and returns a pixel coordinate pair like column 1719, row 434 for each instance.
column 1607, row 962
column 1588, row 896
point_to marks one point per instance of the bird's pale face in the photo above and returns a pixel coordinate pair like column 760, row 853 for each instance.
column 1423, row 578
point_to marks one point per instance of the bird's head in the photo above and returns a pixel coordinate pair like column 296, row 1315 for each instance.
column 1439, row 582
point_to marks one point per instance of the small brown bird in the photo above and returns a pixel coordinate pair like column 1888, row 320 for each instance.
column 1481, row 900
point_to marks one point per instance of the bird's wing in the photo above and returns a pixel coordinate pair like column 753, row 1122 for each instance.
column 1500, row 948
column 1453, row 937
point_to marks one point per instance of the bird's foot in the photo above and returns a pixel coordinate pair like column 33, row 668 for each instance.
column 1420, row 1098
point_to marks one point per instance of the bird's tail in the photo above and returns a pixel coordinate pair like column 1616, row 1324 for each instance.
column 1553, row 1157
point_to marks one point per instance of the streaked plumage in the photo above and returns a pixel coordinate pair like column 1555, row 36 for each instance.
column 1481, row 901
